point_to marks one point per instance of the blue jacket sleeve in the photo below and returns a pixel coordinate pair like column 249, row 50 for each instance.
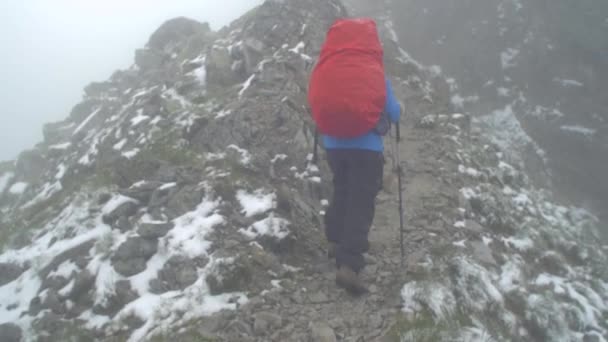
column 392, row 106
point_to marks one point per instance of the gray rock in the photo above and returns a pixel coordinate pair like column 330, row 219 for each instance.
column 148, row 59
column 82, row 284
column 136, row 247
column 233, row 277
column 54, row 303
column 142, row 193
column 473, row 227
column 219, row 69
column 9, row 272
column 482, row 253
column 31, row 166
column 318, row 297
column 126, row 209
column 103, row 198
column 130, row 267
column 131, row 257
column 265, row 322
column 122, row 296
column 55, row 283
column 154, row 230
column 174, row 31
column 321, row 332
column 553, row 263
column 56, row 132
column 123, row 224
column 177, row 274
column 184, row 200
column 591, row 338
column 98, row 89
column 80, row 251
column 10, row 333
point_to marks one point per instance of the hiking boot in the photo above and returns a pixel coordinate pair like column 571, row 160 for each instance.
column 331, row 250
column 350, row 281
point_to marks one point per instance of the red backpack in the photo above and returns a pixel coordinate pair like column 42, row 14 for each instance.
column 347, row 90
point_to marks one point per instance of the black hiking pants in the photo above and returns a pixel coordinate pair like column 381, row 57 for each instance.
column 357, row 179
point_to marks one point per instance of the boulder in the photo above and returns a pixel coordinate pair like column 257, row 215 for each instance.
column 80, row 251
column 177, row 274
column 176, row 30
column 10, row 333
column 31, row 166
column 184, row 200
column 154, row 230
column 219, row 65
column 143, row 192
column 321, row 332
column 126, row 209
column 229, row 277
column 132, row 256
column 264, row 322
column 123, row 294
column 9, row 272
column 483, row 253
column 148, row 59
column 57, row 132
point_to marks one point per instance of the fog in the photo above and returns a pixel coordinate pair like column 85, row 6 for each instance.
column 52, row 49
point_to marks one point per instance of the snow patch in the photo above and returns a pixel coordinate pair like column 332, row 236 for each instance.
column 167, row 186
column 4, row 179
column 223, row 113
column 507, row 57
column 469, row 171
column 297, row 48
column 271, row 226
column 131, row 153
column 86, row 121
column 459, row 102
column 200, row 73
column 257, row 202
column 65, row 270
column 61, row 170
column 246, row 85
column 568, row 83
column 18, row 188
column 119, row 145
column 139, row 118
column 188, row 235
column 116, row 202
column 588, row 132
column 278, row 157
column 245, row 155
column 63, row 146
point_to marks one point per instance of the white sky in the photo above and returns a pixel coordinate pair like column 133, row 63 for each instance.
column 51, row 49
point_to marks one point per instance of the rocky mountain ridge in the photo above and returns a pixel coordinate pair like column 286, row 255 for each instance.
column 535, row 67
column 178, row 201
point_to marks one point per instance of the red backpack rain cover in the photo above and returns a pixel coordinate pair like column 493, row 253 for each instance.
column 347, row 90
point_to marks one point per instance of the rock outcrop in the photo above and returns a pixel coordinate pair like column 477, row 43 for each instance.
column 177, row 201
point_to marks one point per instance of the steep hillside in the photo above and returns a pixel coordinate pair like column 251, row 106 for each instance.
column 178, row 201
column 542, row 63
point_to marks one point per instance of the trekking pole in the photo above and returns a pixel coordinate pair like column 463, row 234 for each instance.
column 315, row 151
column 401, row 228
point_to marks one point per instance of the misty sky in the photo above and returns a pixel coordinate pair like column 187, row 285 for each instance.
column 51, row 49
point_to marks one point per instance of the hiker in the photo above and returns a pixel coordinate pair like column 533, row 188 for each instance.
column 353, row 105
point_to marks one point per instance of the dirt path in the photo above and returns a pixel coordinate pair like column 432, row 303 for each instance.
column 310, row 305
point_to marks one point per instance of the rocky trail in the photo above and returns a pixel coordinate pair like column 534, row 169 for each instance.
column 308, row 306
column 176, row 203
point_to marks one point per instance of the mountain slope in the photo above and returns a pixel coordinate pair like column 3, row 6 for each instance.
column 177, row 202
column 544, row 61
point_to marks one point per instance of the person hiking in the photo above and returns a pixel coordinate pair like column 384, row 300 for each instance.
column 353, row 104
